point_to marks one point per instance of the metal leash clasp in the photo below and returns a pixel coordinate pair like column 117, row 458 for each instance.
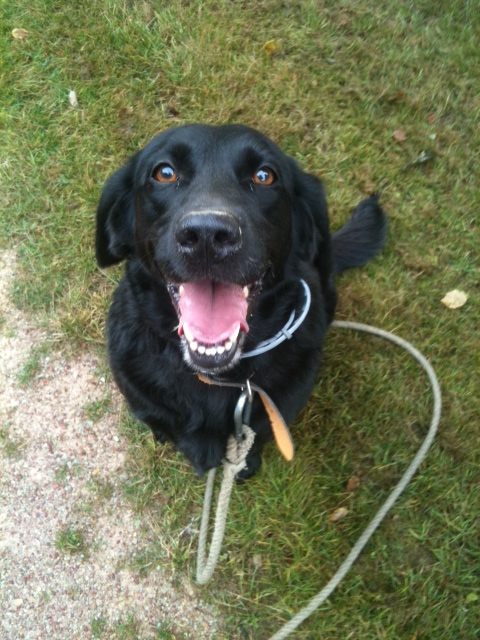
column 243, row 411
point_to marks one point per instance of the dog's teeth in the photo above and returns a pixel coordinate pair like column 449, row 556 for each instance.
column 246, row 291
column 181, row 290
column 208, row 350
column 187, row 333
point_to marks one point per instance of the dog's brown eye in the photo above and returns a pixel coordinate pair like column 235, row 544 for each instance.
column 165, row 173
column 264, row 176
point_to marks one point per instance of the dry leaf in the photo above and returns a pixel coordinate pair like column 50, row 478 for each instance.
column 423, row 158
column 72, row 98
column 454, row 299
column 257, row 561
column 125, row 112
column 19, row 34
column 353, row 483
column 399, row 135
column 396, row 96
column 273, row 48
column 171, row 111
column 338, row 514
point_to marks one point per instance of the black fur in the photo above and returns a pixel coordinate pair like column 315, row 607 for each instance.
column 214, row 223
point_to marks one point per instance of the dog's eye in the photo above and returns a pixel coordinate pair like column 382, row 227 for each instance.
column 165, row 173
column 264, row 176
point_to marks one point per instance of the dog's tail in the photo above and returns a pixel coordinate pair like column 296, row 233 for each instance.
column 361, row 238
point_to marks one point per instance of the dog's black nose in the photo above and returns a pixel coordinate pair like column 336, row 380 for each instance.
column 211, row 236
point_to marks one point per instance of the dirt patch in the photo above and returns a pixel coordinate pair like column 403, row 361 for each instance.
column 61, row 472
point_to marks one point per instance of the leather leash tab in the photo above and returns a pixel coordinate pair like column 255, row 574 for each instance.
column 280, row 430
column 208, row 381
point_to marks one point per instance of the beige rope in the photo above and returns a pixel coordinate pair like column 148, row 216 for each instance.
column 237, row 452
column 234, row 463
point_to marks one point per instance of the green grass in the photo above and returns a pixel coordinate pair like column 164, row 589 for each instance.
column 64, row 472
column 96, row 409
column 347, row 77
column 72, row 541
column 33, row 365
column 129, row 629
column 98, row 626
column 11, row 447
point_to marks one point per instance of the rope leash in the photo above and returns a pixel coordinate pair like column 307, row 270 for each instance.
column 234, row 462
column 204, row 573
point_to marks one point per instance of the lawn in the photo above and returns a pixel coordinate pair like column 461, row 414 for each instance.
column 370, row 96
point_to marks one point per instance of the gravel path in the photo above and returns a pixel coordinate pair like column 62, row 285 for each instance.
column 51, row 456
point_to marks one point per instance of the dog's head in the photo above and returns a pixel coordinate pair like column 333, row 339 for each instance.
column 214, row 214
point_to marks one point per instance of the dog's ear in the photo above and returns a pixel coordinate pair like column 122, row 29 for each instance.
column 310, row 224
column 311, row 229
column 114, row 238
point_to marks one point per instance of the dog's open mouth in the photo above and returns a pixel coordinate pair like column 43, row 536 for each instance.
column 212, row 321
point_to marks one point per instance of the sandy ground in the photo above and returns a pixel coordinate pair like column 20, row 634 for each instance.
column 50, row 454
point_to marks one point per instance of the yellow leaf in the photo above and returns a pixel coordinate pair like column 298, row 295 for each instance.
column 273, row 48
column 454, row 299
column 19, row 34
column 338, row 514
column 72, row 98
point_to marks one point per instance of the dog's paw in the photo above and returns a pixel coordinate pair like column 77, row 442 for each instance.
column 254, row 461
column 160, row 437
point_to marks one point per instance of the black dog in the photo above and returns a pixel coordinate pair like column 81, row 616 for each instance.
column 223, row 236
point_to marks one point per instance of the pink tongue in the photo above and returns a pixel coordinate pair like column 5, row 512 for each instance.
column 212, row 310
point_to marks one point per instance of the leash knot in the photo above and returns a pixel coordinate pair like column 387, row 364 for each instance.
column 237, row 452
